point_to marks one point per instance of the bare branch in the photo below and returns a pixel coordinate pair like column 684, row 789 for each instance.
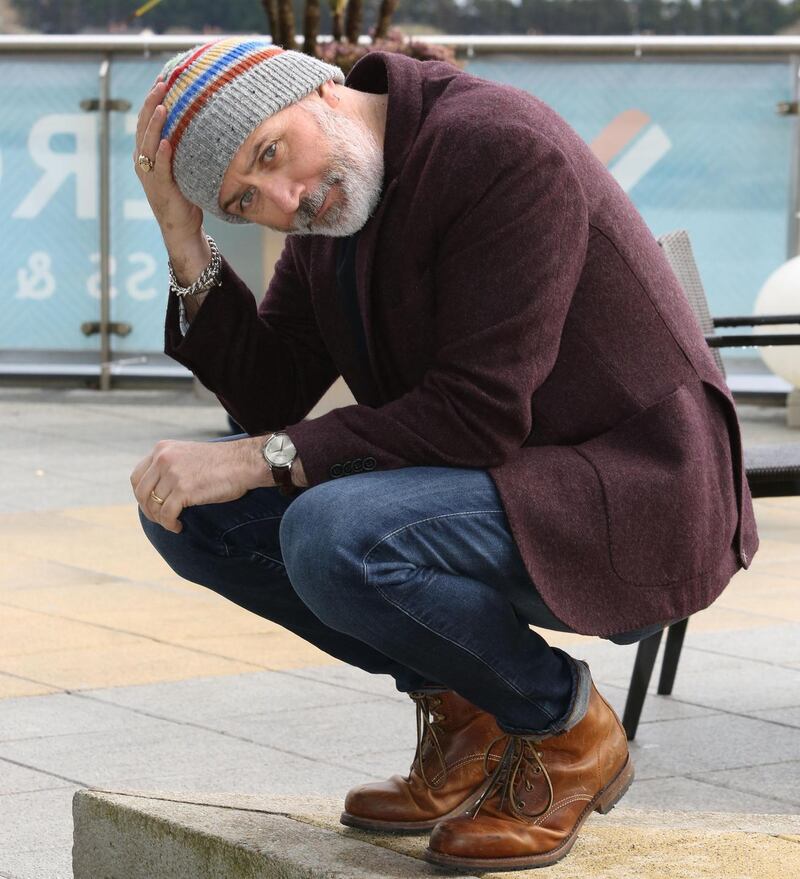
column 387, row 10
column 286, row 20
column 271, row 10
column 311, row 27
column 354, row 21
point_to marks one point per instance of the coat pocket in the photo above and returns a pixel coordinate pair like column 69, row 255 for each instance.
column 667, row 481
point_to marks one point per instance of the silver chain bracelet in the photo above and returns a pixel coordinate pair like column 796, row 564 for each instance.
column 209, row 277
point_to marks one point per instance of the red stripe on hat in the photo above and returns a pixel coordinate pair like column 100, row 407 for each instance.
column 193, row 57
column 225, row 77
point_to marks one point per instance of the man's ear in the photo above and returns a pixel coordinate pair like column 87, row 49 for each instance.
column 327, row 91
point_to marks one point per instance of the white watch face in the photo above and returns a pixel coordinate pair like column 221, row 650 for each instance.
column 279, row 450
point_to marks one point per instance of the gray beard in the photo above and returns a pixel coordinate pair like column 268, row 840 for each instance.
column 355, row 168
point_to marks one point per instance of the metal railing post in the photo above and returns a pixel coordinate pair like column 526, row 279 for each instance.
column 105, row 224
column 793, row 240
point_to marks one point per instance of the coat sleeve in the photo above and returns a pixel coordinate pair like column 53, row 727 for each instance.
column 506, row 269
column 267, row 364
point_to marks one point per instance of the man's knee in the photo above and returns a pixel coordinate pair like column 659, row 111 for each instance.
column 320, row 536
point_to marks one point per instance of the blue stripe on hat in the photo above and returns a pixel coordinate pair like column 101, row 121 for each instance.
column 238, row 51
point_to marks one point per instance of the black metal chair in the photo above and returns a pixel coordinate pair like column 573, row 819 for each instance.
column 773, row 470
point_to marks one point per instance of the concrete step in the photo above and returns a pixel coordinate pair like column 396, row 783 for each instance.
column 156, row 835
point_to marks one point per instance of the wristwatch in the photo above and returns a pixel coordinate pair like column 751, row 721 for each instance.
column 279, row 453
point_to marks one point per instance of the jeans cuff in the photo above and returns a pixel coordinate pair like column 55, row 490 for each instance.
column 424, row 687
column 427, row 691
column 581, row 692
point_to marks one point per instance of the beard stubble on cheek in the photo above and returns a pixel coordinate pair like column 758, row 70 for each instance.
column 354, row 165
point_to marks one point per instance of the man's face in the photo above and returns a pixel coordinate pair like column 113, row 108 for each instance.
column 307, row 170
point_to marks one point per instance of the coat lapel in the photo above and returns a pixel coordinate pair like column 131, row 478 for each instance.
column 380, row 73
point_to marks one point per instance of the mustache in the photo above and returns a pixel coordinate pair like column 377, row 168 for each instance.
column 310, row 206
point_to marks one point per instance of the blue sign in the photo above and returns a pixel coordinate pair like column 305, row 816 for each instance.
column 49, row 202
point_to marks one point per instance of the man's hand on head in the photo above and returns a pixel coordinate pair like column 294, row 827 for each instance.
column 179, row 219
column 176, row 475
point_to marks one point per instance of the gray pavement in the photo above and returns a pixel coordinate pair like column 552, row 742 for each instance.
column 727, row 740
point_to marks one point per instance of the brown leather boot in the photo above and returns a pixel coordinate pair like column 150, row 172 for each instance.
column 540, row 794
column 446, row 777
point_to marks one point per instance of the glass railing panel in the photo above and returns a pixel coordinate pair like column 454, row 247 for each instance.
column 48, row 205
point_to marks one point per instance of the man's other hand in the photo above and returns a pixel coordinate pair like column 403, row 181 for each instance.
column 176, row 475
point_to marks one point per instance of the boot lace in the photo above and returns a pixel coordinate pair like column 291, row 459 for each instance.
column 520, row 760
column 427, row 719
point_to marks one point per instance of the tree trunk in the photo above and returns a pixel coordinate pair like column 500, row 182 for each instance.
column 336, row 25
column 286, row 19
column 271, row 10
column 311, row 28
column 387, row 10
column 355, row 18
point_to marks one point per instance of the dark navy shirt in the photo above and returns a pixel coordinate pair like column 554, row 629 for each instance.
column 348, row 293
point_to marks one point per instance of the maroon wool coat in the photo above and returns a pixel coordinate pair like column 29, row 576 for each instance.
column 519, row 317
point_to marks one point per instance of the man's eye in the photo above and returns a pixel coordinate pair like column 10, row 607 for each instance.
column 246, row 200
column 269, row 153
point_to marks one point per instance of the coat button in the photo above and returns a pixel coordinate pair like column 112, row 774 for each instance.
column 335, row 471
column 369, row 463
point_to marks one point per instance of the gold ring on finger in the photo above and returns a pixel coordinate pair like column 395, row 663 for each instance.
column 145, row 162
column 156, row 498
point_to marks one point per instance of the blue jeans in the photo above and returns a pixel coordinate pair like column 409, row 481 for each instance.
column 410, row 572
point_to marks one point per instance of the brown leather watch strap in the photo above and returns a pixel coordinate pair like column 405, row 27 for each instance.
column 283, row 479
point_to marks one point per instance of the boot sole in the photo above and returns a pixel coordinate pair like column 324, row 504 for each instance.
column 410, row 827
column 603, row 802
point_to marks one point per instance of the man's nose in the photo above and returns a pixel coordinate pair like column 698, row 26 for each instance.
column 284, row 194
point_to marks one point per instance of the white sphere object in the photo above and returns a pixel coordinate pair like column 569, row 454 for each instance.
column 781, row 295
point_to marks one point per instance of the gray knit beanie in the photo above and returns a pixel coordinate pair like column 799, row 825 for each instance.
column 218, row 93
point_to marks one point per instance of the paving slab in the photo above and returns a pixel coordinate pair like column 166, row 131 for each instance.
column 128, row 658
column 53, row 862
column 656, row 708
column 767, row 686
column 16, row 779
column 775, row 644
column 787, row 716
column 28, row 825
column 183, row 756
column 778, row 780
column 349, row 677
column 208, row 700
column 683, row 794
column 317, row 732
column 704, row 744
column 132, row 834
column 63, row 715
column 12, row 686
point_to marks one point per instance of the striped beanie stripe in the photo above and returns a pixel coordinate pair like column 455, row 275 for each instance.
column 217, row 94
